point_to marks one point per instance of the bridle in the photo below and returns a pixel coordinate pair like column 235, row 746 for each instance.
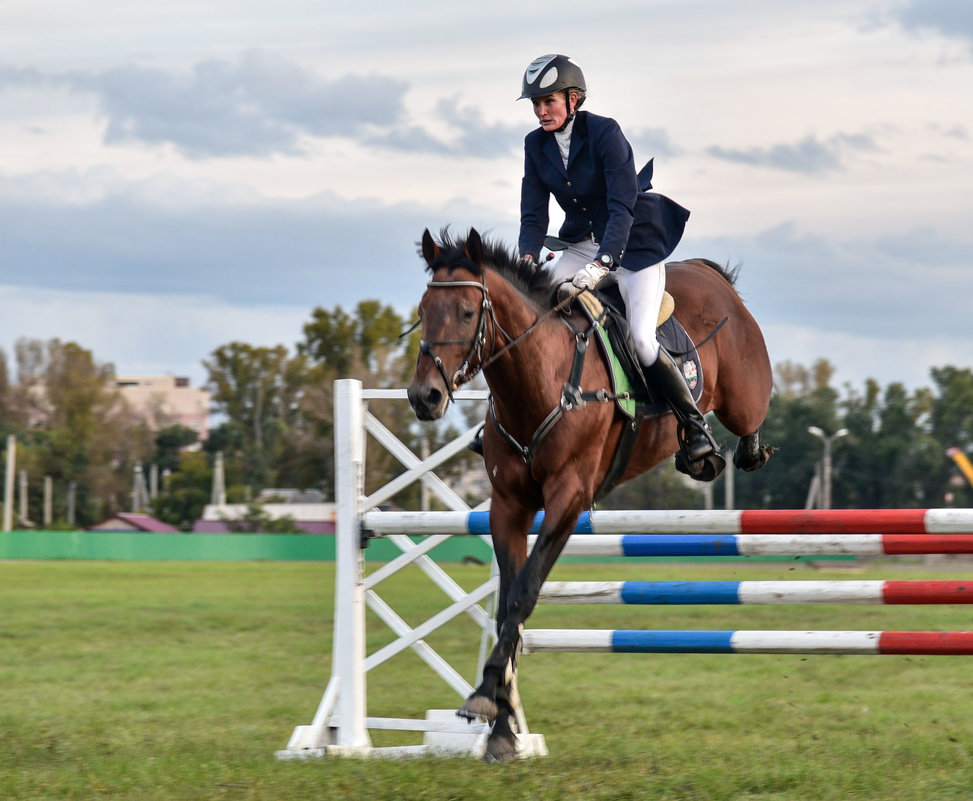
column 468, row 370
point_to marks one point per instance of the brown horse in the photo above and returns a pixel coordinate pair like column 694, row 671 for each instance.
column 486, row 309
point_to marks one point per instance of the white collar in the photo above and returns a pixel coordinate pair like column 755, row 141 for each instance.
column 564, row 140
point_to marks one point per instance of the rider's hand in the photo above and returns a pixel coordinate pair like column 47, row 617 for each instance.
column 589, row 276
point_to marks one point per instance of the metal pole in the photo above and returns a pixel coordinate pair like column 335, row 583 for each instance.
column 48, row 501
column 8, row 494
column 826, row 461
column 218, row 493
column 826, row 473
column 72, row 499
column 24, row 511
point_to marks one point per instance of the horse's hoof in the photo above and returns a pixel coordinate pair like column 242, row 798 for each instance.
column 478, row 706
column 751, row 462
column 500, row 749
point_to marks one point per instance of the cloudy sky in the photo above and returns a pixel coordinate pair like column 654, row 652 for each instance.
column 175, row 176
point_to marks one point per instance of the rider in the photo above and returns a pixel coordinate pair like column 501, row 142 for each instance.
column 611, row 223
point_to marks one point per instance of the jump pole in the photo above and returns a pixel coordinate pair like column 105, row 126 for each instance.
column 869, row 643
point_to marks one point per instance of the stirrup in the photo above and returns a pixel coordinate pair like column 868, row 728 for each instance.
column 689, row 433
column 705, row 469
column 705, row 466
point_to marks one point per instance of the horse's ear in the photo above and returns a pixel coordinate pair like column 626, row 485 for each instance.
column 474, row 247
column 430, row 250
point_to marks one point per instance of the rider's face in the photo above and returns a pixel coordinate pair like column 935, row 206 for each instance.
column 552, row 110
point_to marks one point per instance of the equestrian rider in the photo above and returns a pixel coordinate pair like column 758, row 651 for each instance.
column 612, row 224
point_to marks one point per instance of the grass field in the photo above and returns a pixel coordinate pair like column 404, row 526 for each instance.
column 181, row 680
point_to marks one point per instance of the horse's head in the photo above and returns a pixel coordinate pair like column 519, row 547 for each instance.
column 454, row 312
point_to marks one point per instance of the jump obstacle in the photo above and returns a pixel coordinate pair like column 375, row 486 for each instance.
column 341, row 727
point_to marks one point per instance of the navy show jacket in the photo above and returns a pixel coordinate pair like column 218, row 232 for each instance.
column 600, row 193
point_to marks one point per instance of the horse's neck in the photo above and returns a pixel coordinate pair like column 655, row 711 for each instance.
column 525, row 379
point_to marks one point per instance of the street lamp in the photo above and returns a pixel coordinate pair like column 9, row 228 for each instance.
column 826, row 461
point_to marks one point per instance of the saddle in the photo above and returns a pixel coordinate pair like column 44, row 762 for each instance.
column 606, row 308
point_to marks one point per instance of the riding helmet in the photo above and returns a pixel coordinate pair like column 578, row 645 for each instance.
column 549, row 74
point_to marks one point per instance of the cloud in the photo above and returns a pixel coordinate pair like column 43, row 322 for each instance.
column 126, row 238
column 809, row 155
column 478, row 137
column 255, row 106
column 946, row 17
column 469, row 135
column 143, row 333
column 651, row 142
column 910, row 284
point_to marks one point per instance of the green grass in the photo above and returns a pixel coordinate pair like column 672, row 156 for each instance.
column 181, row 680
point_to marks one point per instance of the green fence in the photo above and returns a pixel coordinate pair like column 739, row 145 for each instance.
column 143, row 547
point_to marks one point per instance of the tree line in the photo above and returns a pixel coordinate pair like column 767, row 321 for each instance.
column 275, row 429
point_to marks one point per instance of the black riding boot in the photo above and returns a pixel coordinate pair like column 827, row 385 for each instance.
column 695, row 439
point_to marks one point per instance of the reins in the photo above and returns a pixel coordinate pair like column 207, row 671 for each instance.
column 467, row 371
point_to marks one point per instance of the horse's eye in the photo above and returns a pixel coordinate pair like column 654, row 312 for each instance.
column 467, row 314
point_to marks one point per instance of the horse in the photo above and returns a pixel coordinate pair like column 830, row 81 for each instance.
column 485, row 309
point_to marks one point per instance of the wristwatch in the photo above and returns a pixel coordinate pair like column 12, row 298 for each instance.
column 605, row 260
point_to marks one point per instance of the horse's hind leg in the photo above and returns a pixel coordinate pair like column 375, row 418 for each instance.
column 749, row 454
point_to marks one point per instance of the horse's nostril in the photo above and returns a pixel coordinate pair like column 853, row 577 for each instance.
column 434, row 398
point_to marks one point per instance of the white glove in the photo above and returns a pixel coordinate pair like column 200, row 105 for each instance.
column 589, row 276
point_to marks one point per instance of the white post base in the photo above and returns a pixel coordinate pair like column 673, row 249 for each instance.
column 447, row 742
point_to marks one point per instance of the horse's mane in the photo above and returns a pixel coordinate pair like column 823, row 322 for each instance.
column 536, row 284
column 729, row 273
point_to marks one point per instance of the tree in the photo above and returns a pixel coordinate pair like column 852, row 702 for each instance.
column 950, row 424
column 259, row 390
column 72, row 426
column 368, row 346
column 169, row 442
column 660, row 488
column 185, row 492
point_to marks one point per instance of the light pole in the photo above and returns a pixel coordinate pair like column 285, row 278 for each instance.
column 826, row 461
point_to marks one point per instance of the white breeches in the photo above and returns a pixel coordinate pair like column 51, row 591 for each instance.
column 642, row 291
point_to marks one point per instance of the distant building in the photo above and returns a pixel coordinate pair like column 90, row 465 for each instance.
column 132, row 521
column 305, row 507
column 163, row 401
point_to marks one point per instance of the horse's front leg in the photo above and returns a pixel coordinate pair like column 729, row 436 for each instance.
column 749, row 454
column 509, row 524
column 495, row 698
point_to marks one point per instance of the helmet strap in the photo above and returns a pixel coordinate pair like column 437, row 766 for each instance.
column 571, row 113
